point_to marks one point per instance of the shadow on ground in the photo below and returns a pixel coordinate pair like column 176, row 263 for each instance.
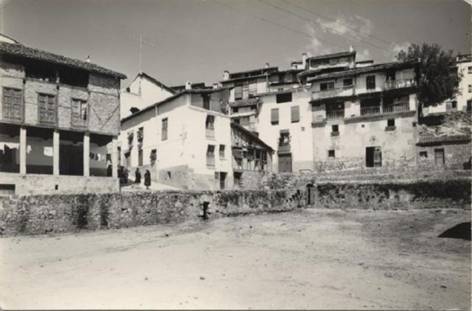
column 460, row 231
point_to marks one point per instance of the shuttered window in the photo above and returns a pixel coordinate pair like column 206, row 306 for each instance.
column 210, row 156
column 295, row 114
column 79, row 112
column 164, row 129
column 238, row 92
column 47, row 108
column 274, row 116
column 12, row 101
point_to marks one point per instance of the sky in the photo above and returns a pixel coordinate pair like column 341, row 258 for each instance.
column 196, row 40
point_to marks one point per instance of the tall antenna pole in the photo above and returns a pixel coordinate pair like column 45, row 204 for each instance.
column 140, row 56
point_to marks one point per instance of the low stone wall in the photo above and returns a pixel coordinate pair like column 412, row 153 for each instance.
column 67, row 213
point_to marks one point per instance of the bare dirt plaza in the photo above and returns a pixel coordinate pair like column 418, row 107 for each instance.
column 307, row 259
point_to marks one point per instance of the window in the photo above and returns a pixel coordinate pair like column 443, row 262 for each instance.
column 470, row 88
column 140, row 157
column 12, row 104
column 210, row 156
column 295, row 114
column 325, row 86
column 370, row 82
column 206, row 101
column 222, row 152
column 390, row 125
column 47, row 108
column 153, row 156
column 423, row 154
column 274, row 116
column 469, row 69
column 164, row 129
column 334, row 130
column 283, row 98
column 252, row 89
column 210, row 126
column 454, row 104
column 238, row 92
column 235, row 109
column 284, row 138
column 331, row 153
column 347, row 82
column 469, row 105
column 140, row 135
column 79, row 112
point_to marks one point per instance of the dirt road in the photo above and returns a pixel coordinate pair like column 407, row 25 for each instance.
column 307, row 259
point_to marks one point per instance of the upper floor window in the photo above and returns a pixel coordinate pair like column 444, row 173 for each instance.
column 210, row 156
column 284, row 138
column 222, row 152
column 252, row 89
column 324, row 86
column 210, row 126
column 370, row 82
column 79, row 112
column 164, row 129
column 469, row 69
column 274, row 116
column 470, row 88
column 347, row 82
column 206, row 101
column 295, row 114
column 47, row 107
column 140, row 136
column 238, row 91
column 12, row 104
column 283, row 98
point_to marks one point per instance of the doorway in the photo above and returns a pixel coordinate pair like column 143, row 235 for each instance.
column 285, row 163
column 439, row 157
column 373, row 156
column 222, row 180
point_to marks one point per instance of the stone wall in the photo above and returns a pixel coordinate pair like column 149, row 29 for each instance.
column 67, row 213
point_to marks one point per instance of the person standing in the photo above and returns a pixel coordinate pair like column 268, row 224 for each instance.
column 137, row 176
column 147, row 179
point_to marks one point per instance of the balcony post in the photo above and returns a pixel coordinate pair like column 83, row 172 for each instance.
column 56, row 153
column 114, row 158
column 86, row 154
column 22, row 150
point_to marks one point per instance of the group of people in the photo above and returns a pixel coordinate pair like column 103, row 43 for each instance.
column 147, row 178
column 123, row 175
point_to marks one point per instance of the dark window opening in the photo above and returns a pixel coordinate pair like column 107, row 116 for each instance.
column 73, row 77
column 283, row 98
column 47, row 107
column 373, row 157
column 206, row 101
column 331, row 153
column 423, row 154
column 12, row 102
column 334, row 130
column 370, row 82
column 164, row 129
column 347, row 82
column 324, row 86
column 41, row 71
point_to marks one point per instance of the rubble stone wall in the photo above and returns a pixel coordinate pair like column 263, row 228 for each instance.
column 68, row 213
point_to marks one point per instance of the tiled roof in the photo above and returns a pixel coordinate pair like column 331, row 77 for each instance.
column 36, row 54
column 367, row 69
column 238, row 127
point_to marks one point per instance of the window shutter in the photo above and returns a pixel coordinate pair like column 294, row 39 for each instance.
column 295, row 112
column 274, row 116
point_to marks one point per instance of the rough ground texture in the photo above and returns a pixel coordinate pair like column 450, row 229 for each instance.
column 331, row 259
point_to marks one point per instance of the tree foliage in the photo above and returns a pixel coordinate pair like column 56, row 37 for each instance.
column 438, row 79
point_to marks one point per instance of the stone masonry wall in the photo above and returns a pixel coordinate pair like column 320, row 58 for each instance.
column 68, row 213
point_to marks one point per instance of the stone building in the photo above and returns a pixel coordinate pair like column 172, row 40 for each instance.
column 57, row 114
column 365, row 117
column 184, row 140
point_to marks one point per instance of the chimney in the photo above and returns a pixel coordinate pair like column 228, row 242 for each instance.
column 88, row 59
column 304, row 57
column 351, row 49
column 267, row 65
column 216, row 85
column 226, row 75
column 188, row 85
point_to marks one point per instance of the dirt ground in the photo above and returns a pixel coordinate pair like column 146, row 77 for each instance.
column 313, row 259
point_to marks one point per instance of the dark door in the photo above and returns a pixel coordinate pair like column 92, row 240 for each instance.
column 373, row 157
column 71, row 160
column 439, row 157
column 310, row 198
column 285, row 163
column 222, row 180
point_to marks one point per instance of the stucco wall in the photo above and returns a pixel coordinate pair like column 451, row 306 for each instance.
column 300, row 132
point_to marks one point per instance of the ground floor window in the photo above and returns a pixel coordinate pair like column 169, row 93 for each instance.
column 373, row 157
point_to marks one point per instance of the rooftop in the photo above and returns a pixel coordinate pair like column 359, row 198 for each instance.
column 367, row 69
column 19, row 50
column 332, row 55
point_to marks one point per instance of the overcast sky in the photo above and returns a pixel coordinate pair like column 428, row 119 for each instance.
column 195, row 40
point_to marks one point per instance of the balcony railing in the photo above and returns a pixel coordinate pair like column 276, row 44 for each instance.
column 336, row 92
column 399, row 107
column 335, row 114
column 370, row 110
column 397, row 84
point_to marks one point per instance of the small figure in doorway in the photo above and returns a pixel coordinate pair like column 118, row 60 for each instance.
column 137, row 176
column 147, row 179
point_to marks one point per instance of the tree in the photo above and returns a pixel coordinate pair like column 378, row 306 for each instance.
column 438, row 78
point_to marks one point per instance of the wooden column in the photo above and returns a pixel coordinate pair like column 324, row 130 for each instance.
column 22, row 150
column 114, row 158
column 55, row 148
column 86, row 154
